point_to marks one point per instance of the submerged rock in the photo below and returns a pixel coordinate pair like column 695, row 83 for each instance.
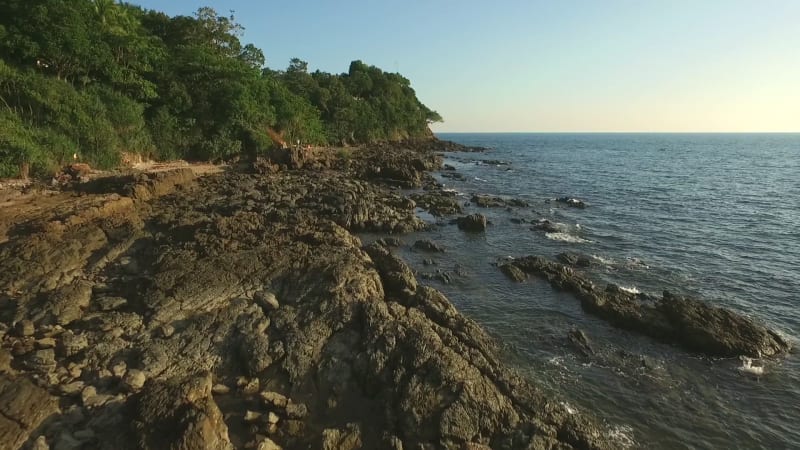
column 570, row 201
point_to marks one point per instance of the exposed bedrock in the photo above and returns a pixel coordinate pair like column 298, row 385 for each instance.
column 238, row 311
column 688, row 322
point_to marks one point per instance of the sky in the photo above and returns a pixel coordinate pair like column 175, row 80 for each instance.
column 556, row 65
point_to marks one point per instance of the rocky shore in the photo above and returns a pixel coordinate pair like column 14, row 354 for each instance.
column 238, row 310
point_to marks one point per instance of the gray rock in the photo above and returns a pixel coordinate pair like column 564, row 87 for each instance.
column 134, row 379
column 473, row 223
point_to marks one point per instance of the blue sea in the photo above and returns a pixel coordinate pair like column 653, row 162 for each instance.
column 716, row 216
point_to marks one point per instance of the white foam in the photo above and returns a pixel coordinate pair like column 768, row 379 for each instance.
column 604, row 261
column 630, row 290
column 621, row 435
column 566, row 237
column 748, row 367
column 479, row 179
column 570, row 409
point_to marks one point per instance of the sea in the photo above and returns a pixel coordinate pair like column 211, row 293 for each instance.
column 716, row 216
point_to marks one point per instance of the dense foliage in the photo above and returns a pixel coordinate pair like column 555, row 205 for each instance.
column 103, row 79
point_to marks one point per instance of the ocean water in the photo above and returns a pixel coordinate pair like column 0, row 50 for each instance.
column 711, row 215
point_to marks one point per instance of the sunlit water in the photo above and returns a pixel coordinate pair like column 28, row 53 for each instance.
column 716, row 216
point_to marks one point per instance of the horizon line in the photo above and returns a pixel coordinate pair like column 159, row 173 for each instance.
column 616, row 132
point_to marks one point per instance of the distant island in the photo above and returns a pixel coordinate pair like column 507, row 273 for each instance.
column 101, row 81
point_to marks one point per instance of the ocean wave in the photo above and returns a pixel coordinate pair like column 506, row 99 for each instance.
column 566, row 237
column 480, row 179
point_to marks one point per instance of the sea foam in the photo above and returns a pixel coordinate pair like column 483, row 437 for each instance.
column 566, row 237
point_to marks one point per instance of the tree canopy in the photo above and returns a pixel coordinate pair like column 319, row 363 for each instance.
column 100, row 79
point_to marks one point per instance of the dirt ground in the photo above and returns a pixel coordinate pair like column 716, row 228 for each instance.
column 26, row 201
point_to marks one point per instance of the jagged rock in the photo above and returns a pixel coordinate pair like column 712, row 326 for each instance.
column 473, row 222
column 180, row 414
column 134, row 379
column 581, row 342
column 251, row 416
column 268, row 444
column 574, row 202
column 488, row 201
column 439, row 203
column 685, row 321
column 24, row 328
column 296, row 410
column 23, row 407
column 342, row 439
column 40, row 444
column 274, row 399
column 266, row 299
column 71, row 344
column 428, row 246
column 574, row 259
column 354, row 338
column 513, row 272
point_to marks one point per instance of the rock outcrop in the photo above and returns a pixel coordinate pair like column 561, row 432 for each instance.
column 238, row 311
column 688, row 322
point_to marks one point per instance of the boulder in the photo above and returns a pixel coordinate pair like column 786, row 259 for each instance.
column 472, row 223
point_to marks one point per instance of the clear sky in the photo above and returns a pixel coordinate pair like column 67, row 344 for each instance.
column 555, row 65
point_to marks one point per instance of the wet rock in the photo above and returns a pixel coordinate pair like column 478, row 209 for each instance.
column 688, row 322
column 513, row 273
column 580, row 341
column 488, row 201
column 549, row 227
column 473, row 223
column 439, row 203
column 570, row 201
column 575, row 259
column 428, row 246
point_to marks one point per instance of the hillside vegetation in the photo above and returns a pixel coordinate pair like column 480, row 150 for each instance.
column 102, row 80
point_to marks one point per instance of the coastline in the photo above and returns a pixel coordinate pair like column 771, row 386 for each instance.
column 247, row 299
column 238, row 311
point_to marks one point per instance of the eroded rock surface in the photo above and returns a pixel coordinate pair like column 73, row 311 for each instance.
column 238, row 311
